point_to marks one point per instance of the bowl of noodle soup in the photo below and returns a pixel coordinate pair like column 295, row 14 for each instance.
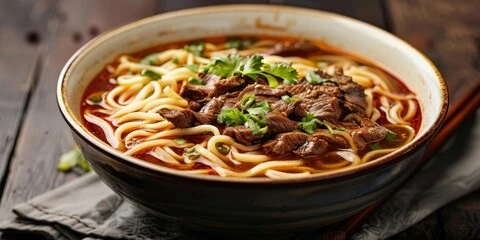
column 260, row 122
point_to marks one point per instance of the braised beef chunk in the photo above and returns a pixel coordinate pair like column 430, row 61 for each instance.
column 279, row 123
column 242, row 135
column 368, row 132
column 263, row 90
column 227, row 85
column 284, row 143
column 353, row 93
column 186, row 118
column 300, row 47
column 179, row 118
column 324, row 107
column 194, row 92
column 215, row 105
column 295, row 108
column 312, row 147
column 331, row 139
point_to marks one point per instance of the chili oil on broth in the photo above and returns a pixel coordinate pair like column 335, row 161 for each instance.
column 121, row 108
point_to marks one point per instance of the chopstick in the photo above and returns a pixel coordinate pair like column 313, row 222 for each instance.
column 455, row 116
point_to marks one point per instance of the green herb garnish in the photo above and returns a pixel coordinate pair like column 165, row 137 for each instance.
column 192, row 67
column 238, row 43
column 196, row 48
column 252, row 67
column 175, row 60
column 180, row 141
column 195, row 81
column 151, row 74
column 95, row 99
column 150, row 59
column 390, row 136
column 309, row 124
column 375, row 146
column 189, row 150
column 255, row 127
column 222, row 148
column 247, row 100
column 314, row 79
column 231, row 117
column 72, row 159
column 252, row 115
column 288, row 99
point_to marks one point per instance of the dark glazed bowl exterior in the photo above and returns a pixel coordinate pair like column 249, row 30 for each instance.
column 263, row 207
column 253, row 205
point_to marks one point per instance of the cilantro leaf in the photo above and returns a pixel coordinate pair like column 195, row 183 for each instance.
column 309, row 124
column 284, row 71
column 151, row 74
column 192, row 67
column 259, row 109
column 314, row 79
column 252, row 67
column 196, row 48
column 195, row 81
column 255, row 127
column 224, row 66
column 231, row 117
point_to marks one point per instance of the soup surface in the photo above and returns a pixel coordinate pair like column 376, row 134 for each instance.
column 250, row 107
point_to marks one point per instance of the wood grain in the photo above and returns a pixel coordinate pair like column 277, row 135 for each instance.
column 448, row 32
column 44, row 136
column 21, row 51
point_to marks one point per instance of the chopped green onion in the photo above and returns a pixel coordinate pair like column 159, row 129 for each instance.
column 196, row 48
column 151, row 74
column 175, row 60
column 180, row 141
column 95, row 99
column 72, row 159
column 222, row 148
column 390, row 136
column 149, row 59
column 238, row 43
column 247, row 100
column 375, row 146
column 190, row 150
column 192, row 67
column 195, row 81
column 288, row 99
column 341, row 129
column 193, row 156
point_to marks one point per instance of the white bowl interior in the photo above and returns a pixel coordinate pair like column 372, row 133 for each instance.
column 381, row 48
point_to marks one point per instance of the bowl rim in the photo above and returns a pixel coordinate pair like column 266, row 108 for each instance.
column 395, row 156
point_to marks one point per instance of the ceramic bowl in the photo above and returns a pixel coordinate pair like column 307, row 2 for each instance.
column 255, row 204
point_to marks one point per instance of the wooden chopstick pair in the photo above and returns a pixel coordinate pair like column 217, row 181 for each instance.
column 455, row 116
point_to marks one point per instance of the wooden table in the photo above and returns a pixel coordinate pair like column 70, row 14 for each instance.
column 38, row 37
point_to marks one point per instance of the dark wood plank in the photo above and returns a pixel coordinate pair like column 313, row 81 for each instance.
column 21, row 38
column 447, row 31
column 44, row 136
column 370, row 11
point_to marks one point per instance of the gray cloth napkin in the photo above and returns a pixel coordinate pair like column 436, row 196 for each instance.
column 87, row 209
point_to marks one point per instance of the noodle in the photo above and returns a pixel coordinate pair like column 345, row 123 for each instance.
column 128, row 117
